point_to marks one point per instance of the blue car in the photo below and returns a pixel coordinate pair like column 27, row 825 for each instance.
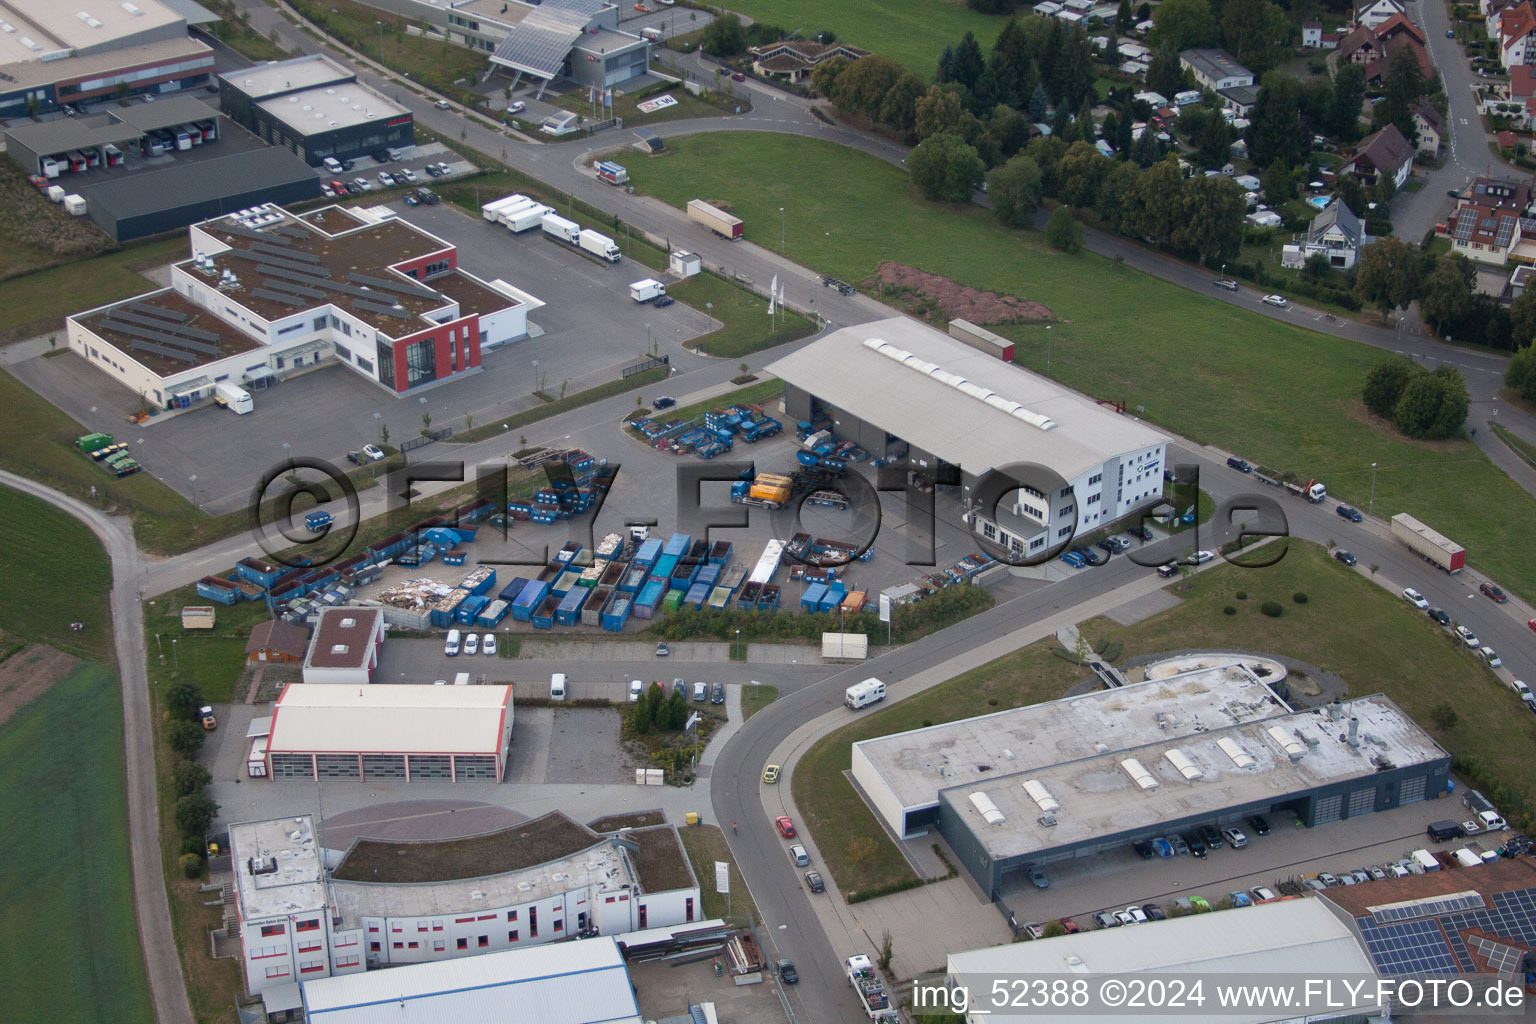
column 1163, row 847
column 1073, row 559
column 1350, row 512
column 1240, row 899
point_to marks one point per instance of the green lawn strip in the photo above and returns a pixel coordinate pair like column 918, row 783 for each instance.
column 235, row 32
column 756, row 697
column 37, row 303
column 380, row 36
column 55, row 573
column 506, row 424
column 746, row 325
column 705, row 845
column 853, row 844
column 756, row 393
column 913, row 33
column 1520, row 446
column 687, row 106
column 67, row 888
column 1275, row 393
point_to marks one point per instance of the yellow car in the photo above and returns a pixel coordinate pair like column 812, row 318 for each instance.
column 771, row 773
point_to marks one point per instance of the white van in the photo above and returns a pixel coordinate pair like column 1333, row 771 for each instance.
column 557, row 686
column 462, row 679
column 451, row 644
column 1467, row 859
column 861, row 695
column 332, row 164
column 1426, row 860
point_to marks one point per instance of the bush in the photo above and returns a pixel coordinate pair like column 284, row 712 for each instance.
column 193, row 814
column 185, row 738
column 1229, row 610
column 1299, row 597
column 1241, row 595
column 189, row 777
column 191, row 865
column 1272, row 609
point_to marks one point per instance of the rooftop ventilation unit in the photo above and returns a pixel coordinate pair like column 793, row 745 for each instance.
column 1185, row 766
column 988, row 809
column 88, row 19
column 348, row 623
column 125, row 5
column 1293, row 747
column 1040, row 795
column 1240, row 757
column 1138, row 773
column 338, row 648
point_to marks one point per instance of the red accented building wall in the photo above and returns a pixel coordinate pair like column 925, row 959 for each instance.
column 416, row 265
column 450, row 357
column 67, row 94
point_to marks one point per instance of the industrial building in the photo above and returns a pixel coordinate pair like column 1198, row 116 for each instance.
column 537, row 882
column 576, row 39
column 957, row 413
column 583, row 982
column 268, row 293
column 315, row 108
column 1204, row 741
column 344, row 648
column 282, row 907
column 390, row 733
column 94, row 49
column 1298, row 937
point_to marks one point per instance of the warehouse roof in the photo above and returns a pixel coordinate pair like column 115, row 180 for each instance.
column 582, row 982
column 35, row 30
column 326, row 107
column 32, row 73
column 277, row 635
column 345, row 638
column 1299, row 937
column 168, row 305
column 936, row 400
column 276, row 866
column 313, row 717
column 286, row 76
column 188, row 182
column 165, row 113
column 47, row 138
column 539, row 42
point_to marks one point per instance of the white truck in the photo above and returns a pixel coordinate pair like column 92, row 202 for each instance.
column 1434, row 547
column 1483, row 811
column 492, row 211
column 870, row 989
column 522, row 218
column 598, row 245
column 861, row 695
column 1312, row 490
column 646, row 290
column 232, row 397
column 556, row 226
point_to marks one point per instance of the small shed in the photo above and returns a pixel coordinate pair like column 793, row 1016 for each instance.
column 649, row 142
column 197, row 616
column 276, row 640
column 686, row 264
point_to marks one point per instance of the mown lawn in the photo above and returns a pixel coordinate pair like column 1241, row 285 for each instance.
column 37, row 303
column 55, row 573
column 706, row 844
column 755, row 698
column 745, row 326
column 911, row 32
column 1279, row 395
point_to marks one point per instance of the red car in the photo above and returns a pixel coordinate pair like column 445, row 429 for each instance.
column 339, row 188
column 1493, row 593
column 1069, row 926
column 785, row 826
column 1532, row 624
column 738, row 77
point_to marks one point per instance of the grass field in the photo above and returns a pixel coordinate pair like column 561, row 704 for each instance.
column 37, row 233
column 745, row 323
column 37, row 303
column 1410, row 659
column 705, row 845
column 911, row 32
column 66, row 887
column 55, row 573
column 1211, row 372
column 755, row 698
column 380, row 35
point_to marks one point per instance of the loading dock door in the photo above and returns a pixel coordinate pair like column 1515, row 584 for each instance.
column 1328, row 808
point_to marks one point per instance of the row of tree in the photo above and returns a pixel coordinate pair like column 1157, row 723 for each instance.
column 1391, row 274
column 1427, row 404
column 195, row 809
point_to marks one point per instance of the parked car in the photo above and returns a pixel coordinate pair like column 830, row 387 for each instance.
column 516, row 107
column 1234, row 838
column 406, row 173
column 680, row 686
column 1532, row 624
column 814, row 882
column 1211, row 836
column 1137, row 914
column 338, row 187
column 1195, row 845
column 373, row 452
column 1350, row 512
column 1439, row 615
column 488, row 645
column 717, row 694
column 1345, row 557
column 785, row 826
column 1415, row 598
column 1125, row 918
column 1263, row 894
column 1143, row 849
column 663, row 402
column 662, row 650
column 1104, row 919
column 1377, row 874
column 1227, row 283
column 1069, row 926
column 327, row 191
column 1360, row 875
column 386, row 179
column 435, row 170
column 1259, row 824
column 1241, row 465
column 1468, row 637
column 1038, row 878
column 1140, row 532
column 1240, row 898
column 472, row 643
column 1493, row 593
column 442, row 104
column 636, row 688
column 662, row 301
column 787, row 973
column 1328, row 879
column 1168, row 571
column 1201, row 557
column 1154, row 912
column 737, row 76
column 771, row 774
column 1179, row 845
column 1162, row 847
column 410, row 200
column 1275, row 300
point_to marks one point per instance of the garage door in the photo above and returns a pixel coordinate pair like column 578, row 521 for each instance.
column 1413, row 790
column 337, row 766
column 384, row 766
column 1328, row 808
column 1362, row 801
column 293, row 766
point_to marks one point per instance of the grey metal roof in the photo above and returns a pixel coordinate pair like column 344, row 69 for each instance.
column 164, row 113
column 194, row 13
column 1336, row 214
column 183, row 184
column 538, row 44
column 951, row 423
column 48, row 137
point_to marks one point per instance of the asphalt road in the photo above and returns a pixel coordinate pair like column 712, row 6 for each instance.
column 167, row 986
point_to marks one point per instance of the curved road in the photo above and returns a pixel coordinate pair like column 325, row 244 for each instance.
column 167, row 986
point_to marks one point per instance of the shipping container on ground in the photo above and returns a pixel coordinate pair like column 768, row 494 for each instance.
column 493, row 613
column 470, row 608
column 617, row 612
column 217, row 588
column 569, row 611
column 511, row 590
column 811, row 599
column 544, row 618
column 592, row 611
column 529, row 600
column 677, row 544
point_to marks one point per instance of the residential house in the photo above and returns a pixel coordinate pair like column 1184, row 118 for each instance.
column 1381, row 153
column 276, row 640
column 1239, row 99
column 1312, row 35
column 1515, row 28
column 1491, row 8
column 795, row 59
column 1430, row 126
column 1522, row 91
column 1215, row 69
column 1374, row 48
column 1335, row 234
column 1491, row 222
column 1371, row 13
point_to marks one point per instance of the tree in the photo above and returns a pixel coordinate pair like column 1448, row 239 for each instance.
column 190, row 776
column 862, row 87
column 1160, row 203
column 1012, row 66
column 826, row 74
column 1444, row 715
column 1521, row 373
column 1386, row 275
column 724, row 37
column 182, row 699
column 1434, row 404
column 1165, row 75
column 1351, row 193
column 1274, row 129
column 1061, row 124
column 1063, row 232
column 968, row 63
column 1047, row 153
column 1315, row 269
column 1348, row 94
column 1009, row 128
column 1446, row 294
column 1182, row 24
column 1522, row 315
column 861, row 851
column 1255, row 32
column 1212, row 224
column 184, row 737
column 937, row 111
column 1124, row 20
column 191, row 865
column 1076, row 69
column 194, row 813
column 1402, row 87
column 1384, row 384
column 897, row 110
column 1112, row 50
column 1079, row 174
column 944, row 167
column 677, row 711
column 1014, row 189
column 1279, row 183
column 1213, row 141
column 383, row 434
column 1117, row 195
column 1053, row 929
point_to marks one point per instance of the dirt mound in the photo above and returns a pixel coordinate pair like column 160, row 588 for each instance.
column 28, row 673
column 956, row 300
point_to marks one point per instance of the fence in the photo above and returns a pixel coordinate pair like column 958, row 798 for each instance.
column 417, row 442
column 649, row 364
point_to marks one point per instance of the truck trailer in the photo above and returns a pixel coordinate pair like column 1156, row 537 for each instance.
column 232, row 397
column 647, row 289
column 522, row 218
column 1434, row 547
column 492, row 210
column 871, row 992
column 598, row 245
column 1312, row 490
column 718, row 221
column 558, row 227
column 612, row 173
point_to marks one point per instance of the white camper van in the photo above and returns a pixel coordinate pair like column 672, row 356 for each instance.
column 861, row 695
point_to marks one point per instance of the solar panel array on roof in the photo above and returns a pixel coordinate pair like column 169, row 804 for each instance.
column 162, row 350
column 295, row 289
column 267, row 260
column 159, row 324
column 236, row 229
column 379, row 307
column 281, row 248
column 538, row 44
column 403, row 287
column 1428, row 908
column 175, row 316
column 1501, row 957
column 161, row 337
column 1414, row 947
column 285, row 300
column 1434, row 944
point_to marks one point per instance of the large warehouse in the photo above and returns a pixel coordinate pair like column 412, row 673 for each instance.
column 956, row 413
column 391, row 733
column 315, row 108
column 1075, row 777
column 90, row 49
column 268, row 293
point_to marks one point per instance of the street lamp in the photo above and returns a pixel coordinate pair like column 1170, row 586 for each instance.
column 648, row 342
column 738, row 644
column 1047, row 349
column 709, row 309
column 175, row 657
column 1371, row 508
column 781, row 229
column 535, row 375
column 193, row 481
